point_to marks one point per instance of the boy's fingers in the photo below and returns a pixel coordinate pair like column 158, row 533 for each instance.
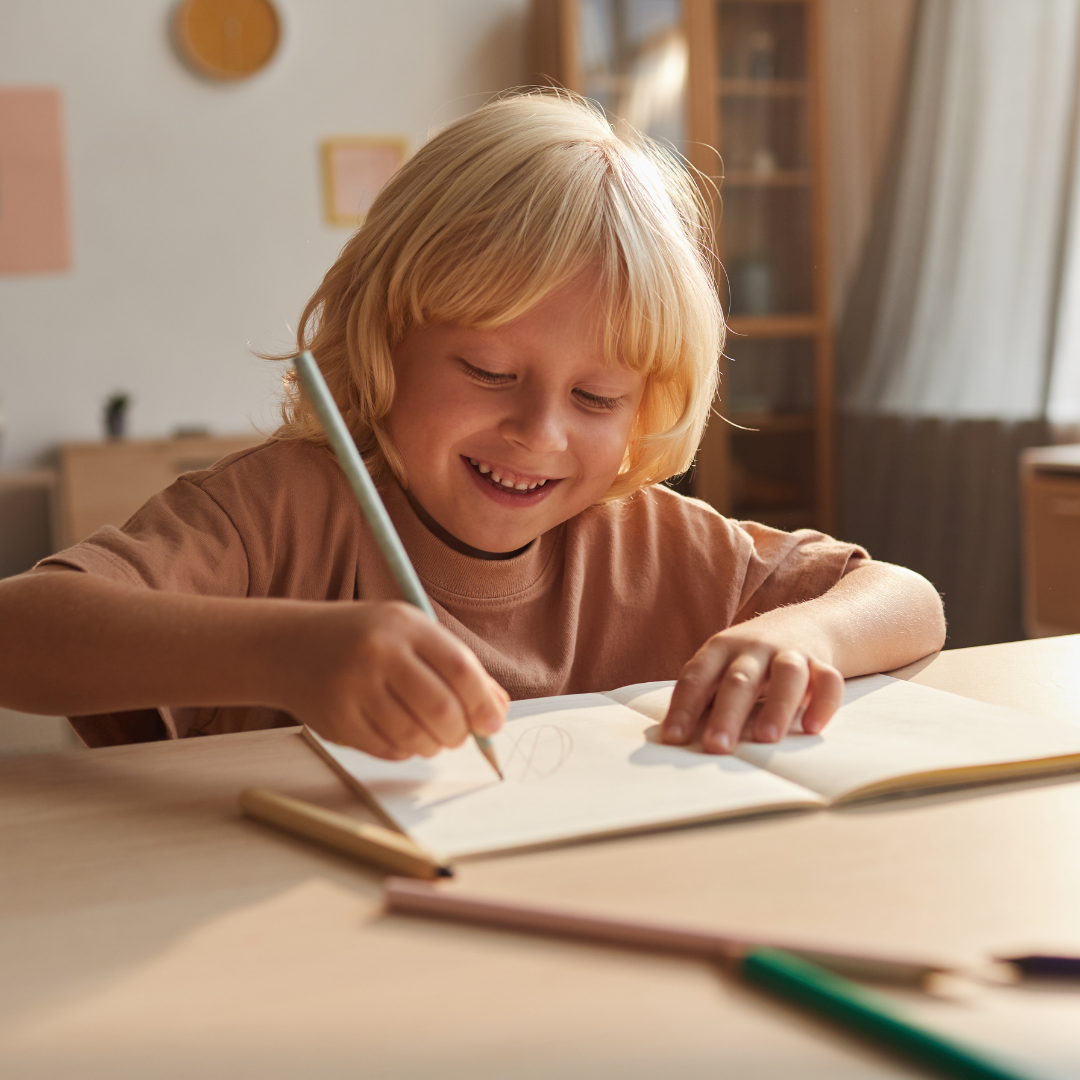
column 693, row 692
column 826, row 696
column 361, row 732
column 735, row 697
column 789, row 676
column 429, row 700
column 397, row 723
column 485, row 708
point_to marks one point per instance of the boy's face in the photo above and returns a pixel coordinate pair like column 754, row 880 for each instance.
column 506, row 433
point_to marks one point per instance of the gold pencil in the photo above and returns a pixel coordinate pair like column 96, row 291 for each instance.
column 372, row 843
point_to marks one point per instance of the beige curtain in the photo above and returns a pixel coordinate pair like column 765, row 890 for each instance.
column 947, row 341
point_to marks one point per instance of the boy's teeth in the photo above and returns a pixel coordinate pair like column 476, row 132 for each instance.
column 522, row 486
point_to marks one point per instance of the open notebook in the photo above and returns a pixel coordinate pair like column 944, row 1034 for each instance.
column 590, row 765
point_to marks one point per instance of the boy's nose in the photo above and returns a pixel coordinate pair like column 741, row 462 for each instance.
column 537, row 426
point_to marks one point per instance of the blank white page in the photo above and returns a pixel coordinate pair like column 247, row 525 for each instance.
column 576, row 767
column 892, row 735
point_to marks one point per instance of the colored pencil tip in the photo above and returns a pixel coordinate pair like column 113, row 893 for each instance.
column 489, row 752
column 444, row 871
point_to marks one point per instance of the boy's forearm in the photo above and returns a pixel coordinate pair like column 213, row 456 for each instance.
column 73, row 644
column 878, row 617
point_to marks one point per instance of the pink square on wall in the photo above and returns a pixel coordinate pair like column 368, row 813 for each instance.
column 354, row 171
column 34, row 235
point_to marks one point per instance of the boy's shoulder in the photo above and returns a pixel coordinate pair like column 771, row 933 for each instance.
column 656, row 503
column 272, row 473
column 674, row 522
column 274, row 456
column 271, row 494
column 663, row 516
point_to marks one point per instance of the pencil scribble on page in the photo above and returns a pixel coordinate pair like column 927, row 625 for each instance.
column 538, row 753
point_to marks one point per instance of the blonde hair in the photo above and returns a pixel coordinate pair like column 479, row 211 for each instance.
column 496, row 212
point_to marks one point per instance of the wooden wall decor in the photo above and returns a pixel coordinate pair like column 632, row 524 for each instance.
column 226, row 39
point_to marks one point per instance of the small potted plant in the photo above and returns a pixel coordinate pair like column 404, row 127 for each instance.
column 116, row 407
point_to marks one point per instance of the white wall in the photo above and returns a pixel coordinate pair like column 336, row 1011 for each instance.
column 197, row 220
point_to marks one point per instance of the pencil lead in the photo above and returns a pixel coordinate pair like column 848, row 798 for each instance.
column 489, row 753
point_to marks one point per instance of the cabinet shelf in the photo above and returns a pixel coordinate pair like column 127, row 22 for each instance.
column 775, row 178
column 786, row 88
column 776, row 326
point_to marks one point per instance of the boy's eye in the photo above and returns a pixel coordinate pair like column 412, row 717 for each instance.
column 494, row 378
column 502, row 378
column 597, row 402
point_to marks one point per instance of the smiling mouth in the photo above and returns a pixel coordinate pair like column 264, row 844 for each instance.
column 508, row 483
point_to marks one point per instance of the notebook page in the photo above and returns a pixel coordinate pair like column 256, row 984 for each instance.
column 893, row 735
column 576, row 767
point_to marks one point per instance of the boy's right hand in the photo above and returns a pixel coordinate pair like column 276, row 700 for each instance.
column 384, row 678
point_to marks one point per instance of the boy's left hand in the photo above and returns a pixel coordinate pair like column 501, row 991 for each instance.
column 877, row 617
column 719, row 688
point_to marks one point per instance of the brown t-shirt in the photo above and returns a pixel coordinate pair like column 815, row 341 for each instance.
column 622, row 593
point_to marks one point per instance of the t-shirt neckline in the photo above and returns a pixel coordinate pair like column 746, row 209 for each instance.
column 442, row 569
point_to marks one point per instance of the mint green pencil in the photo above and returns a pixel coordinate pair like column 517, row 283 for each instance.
column 356, row 472
column 866, row 1013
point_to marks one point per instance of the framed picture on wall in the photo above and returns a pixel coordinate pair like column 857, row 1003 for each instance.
column 354, row 171
column 34, row 220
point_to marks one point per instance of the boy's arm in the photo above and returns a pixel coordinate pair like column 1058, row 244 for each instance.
column 380, row 676
column 876, row 618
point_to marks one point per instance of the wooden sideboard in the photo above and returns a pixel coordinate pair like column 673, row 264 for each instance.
column 1050, row 485
column 104, row 483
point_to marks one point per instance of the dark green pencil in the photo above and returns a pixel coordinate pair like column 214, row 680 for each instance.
column 866, row 1013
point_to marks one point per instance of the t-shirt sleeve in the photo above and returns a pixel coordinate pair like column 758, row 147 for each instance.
column 788, row 568
column 180, row 541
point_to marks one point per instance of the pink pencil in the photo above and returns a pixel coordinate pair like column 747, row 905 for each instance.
column 406, row 896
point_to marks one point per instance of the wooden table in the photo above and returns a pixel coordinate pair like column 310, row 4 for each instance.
column 149, row 931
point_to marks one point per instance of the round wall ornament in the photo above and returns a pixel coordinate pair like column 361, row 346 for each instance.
column 226, row 39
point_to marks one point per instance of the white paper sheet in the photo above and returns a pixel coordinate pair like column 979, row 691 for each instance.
column 576, row 767
column 891, row 729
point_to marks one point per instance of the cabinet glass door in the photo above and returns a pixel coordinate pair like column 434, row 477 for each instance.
column 764, row 143
column 634, row 62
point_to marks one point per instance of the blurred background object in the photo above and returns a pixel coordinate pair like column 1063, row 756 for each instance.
column 116, row 410
column 226, row 39
column 354, row 171
column 104, row 483
column 960, row 340
column 1051, row 498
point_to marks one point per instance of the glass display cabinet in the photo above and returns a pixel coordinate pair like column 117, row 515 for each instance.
column 733, row 86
